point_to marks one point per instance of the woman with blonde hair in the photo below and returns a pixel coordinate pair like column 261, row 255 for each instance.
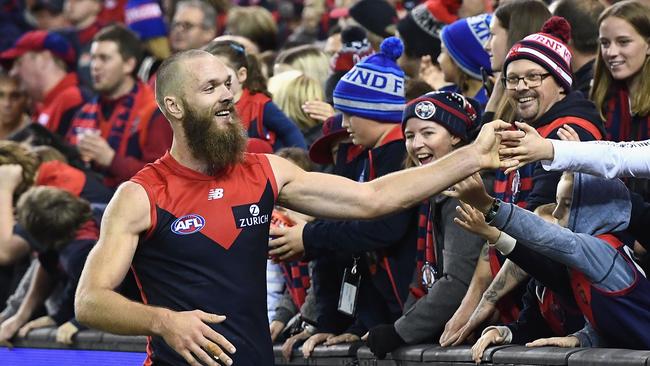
column 291, row 97
column 620, row 90
column 621, row 87
column 308, row 59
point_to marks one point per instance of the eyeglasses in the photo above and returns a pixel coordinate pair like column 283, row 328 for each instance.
column 184, row 26
column 532, row 80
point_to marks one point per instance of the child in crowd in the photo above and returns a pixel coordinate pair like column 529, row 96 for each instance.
column 463, row 58
column 52, row 217
column 610, row 290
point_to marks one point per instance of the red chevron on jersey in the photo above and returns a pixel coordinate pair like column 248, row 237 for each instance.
column 189, row 197
column 207, row 249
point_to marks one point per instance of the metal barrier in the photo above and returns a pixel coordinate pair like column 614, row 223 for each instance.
column 358, row 354
column 87, row 340
column 520, row 355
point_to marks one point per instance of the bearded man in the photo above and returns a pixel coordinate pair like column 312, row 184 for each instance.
column 194, row 225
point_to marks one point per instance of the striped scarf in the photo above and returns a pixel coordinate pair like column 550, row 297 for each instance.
column 116, row 129
column 296, row 273
column 515, row 186
column 425, row 252
column 620, row 124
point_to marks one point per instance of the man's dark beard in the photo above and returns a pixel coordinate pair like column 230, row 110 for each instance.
column 218, row 146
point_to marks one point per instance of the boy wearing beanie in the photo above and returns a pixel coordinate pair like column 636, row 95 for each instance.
column 463, row 56
column 371, row 98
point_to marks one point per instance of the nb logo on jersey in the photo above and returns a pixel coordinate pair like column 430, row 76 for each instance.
column 215, row 194
column 254, row 219
column 188, row 224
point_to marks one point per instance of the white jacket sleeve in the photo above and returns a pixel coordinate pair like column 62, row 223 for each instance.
column 603, row 158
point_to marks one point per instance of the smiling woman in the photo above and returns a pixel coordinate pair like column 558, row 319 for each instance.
column 437, row 123
column 619, row 89
column 434, row 125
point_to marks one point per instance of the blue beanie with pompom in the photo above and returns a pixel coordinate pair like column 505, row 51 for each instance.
column 374, row 88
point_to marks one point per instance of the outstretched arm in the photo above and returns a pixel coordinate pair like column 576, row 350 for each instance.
column 480, row 281
column 97, row 305
column 331, row 196
column 509, row 276
column 597, row 260
column 603, row 158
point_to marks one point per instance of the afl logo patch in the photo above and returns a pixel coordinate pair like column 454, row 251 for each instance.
column 425, row 109
column 188, row 224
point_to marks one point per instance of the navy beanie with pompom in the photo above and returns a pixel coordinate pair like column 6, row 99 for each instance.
column 374, row 88
column 461, row 116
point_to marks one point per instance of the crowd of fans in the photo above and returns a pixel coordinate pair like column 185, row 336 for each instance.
column 360, row 89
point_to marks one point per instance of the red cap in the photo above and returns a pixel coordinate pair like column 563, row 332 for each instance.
column 40, row 40
column 320, row 151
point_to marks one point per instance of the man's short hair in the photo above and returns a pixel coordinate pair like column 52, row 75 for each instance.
column 14, row 153
column 209, row 13
column 168, row 76
column 128, row 44
column 583, row 17
column 52, row 216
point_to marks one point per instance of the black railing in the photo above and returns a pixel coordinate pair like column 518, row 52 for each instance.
column 359, row 354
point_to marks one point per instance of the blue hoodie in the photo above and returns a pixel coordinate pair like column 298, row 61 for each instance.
column 599, row 206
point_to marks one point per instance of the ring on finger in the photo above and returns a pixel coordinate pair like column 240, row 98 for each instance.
column 213, row 351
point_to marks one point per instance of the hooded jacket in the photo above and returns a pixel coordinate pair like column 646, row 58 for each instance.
column 599, row 207
column 531, row 186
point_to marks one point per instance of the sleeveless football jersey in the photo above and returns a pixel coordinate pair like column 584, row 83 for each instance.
column 207, row 249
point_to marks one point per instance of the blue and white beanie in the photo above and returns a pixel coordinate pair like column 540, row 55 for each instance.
column 374, row 88
column 465, row 41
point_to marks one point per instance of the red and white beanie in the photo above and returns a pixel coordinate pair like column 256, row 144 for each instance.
column 548, row 49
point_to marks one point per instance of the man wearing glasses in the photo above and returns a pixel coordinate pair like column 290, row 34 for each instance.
column 537, row 80
column 193, row 26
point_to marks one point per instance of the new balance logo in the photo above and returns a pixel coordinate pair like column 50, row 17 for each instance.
column 215, row 194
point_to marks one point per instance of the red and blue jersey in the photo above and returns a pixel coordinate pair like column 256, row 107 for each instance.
column 621, row 317
column 207, row 249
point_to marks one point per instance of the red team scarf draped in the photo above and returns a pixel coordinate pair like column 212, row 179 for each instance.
column 426, row 247
column 296, row 273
